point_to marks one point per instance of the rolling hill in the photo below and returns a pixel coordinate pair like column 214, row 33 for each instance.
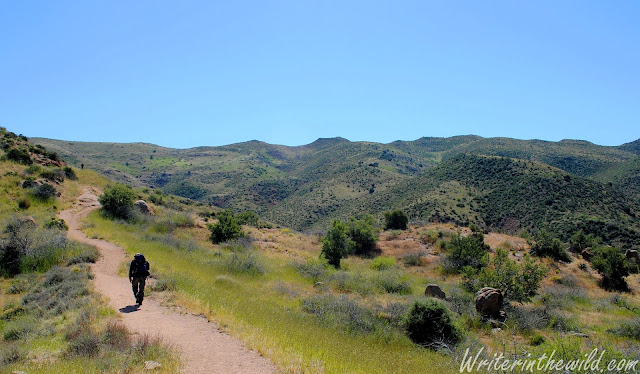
column 501, row 183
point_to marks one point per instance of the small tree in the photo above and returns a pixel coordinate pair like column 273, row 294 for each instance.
column 612, row 264
column 363, row 235
column 518, row 282
column 548, row 246
column 396, row 220
column 227, row 228
column 467, row 251
column 431, row 324
column 117, row 201
column 579, row 241
column 335, row 243
column 249, row 218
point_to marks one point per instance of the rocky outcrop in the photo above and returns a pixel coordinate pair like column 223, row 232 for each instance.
column 489, row 302
column 433, row 290
column 144, row 208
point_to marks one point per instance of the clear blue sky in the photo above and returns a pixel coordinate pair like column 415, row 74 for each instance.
column 190, row 73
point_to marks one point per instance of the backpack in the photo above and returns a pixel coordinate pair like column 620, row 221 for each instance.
column 141, row 267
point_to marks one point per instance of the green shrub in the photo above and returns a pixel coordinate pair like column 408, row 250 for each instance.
column 70, row 173
column 33, row 169
column 518, row 282
column 316, row 270
column 396, row 220
column 242, row 260
column 44, row 192
column 382, row 263
column 628, row 329
column 117, row 201
column 227, row 228
column 249, row 218
column 547, row 246
column 363, row 236
column 53, row 174
column 341, row 311
column 413, row 258
column 20, row 155
column 394, row 282
column 612, row 264
column 335, row 243
column 59, row 224
column 24, row 203
column 10, row 260
column 431, row 324
column 537, row 340
column 467, row 251
column 164, row 284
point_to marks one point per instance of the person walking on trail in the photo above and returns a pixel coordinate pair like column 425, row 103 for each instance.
column 138, row 273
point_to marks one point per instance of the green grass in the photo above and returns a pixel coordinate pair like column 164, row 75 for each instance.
column 273, row 323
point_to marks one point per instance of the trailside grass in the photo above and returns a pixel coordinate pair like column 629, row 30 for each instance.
column 272, row 322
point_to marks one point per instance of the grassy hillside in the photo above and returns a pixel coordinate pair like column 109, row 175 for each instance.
column 305, row 187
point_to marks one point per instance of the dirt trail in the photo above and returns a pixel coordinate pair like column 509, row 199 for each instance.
column 203, row 347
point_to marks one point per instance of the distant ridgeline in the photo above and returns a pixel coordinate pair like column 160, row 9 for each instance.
column 497, row 183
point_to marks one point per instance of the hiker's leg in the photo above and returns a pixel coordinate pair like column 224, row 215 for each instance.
column 134, row 286
column 141, row 290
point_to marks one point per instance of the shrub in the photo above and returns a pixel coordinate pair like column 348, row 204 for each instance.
column 518, row 282
column 70, row 173
column 248, row 218
column 19, row 155
column 316, row 270
column 59, row 224
column 394, row 282
column 396, row 220
column 117, row 201
column 340, row 310
column 431, row 324
column 630, row 329
column 612, row 264
column 86, row 344
column 547, row 246
column 227, row 228
column 579, row 241
column 467, row 251
column 245, row 261
column 382, row 263
column 335, row 243
column 413, row 258
column 24, row 203
column 363, row 236
column 44, row 192
column 10, row 260
column 53, row 174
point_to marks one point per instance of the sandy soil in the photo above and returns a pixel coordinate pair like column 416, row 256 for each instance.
column 203, row 347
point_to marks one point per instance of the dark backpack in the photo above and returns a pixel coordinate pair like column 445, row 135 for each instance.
column 141, row 267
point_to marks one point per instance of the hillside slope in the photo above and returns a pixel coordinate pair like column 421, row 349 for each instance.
column 305, row 187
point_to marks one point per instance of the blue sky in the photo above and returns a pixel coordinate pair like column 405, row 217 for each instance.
column 190, row 73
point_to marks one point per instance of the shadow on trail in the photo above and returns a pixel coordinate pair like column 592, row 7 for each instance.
column 129, row 308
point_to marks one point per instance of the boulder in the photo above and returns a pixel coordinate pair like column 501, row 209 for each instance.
column 586, row 254
column 144, row 208
column 489, row 302
column 152, row 365
column 433, row 290
column 632, row 254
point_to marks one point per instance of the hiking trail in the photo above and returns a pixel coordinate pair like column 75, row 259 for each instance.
column 201, row 344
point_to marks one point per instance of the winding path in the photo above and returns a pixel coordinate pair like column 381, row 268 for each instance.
column 203, row 347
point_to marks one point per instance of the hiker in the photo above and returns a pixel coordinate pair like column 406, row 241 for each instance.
column 138, row 273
